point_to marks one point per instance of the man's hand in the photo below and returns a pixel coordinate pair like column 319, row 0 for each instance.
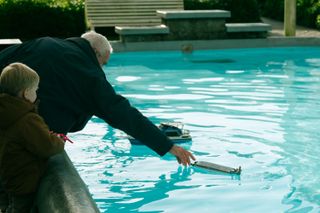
column 183, row 156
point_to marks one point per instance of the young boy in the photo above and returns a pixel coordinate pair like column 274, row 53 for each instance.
column 25, row 140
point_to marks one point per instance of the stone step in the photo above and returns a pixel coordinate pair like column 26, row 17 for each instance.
column 247, row 27
column 193, row 14
column 4, row 43
column 10, row 41
column 142, row 30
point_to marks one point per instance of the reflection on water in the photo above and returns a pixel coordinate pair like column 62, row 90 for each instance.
column 222, row 60
column 260, row 112
column 140, row 193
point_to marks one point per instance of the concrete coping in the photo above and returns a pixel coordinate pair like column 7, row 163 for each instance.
column 193, row 14
column 280, row 41
column 62, row 189
column 10, row 41
column 142, row 30
column 248, row 27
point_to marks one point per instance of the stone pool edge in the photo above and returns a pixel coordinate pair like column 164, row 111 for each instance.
column 62, row 189
column 214, row 44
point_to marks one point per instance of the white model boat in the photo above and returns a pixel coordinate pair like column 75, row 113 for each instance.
column 217, row 167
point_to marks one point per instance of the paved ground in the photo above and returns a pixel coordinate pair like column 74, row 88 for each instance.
column 277, row 29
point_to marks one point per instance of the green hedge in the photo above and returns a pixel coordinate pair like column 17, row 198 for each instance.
column 241, row 10
column 27, row 19
column 308, row 11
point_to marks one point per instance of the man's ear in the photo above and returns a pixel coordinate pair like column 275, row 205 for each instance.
column 97, row 52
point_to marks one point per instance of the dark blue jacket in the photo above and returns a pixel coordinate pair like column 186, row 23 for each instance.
column 73, row 88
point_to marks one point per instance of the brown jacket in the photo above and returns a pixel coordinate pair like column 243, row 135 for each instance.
column 25, row 145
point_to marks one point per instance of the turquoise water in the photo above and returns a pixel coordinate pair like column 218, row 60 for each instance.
column 258, row 108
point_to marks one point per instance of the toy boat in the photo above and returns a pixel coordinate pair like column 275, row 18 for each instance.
column 173, row 130
column 217, row 167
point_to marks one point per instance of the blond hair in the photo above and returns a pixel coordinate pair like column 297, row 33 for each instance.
column 17, row 77
column 98, row 41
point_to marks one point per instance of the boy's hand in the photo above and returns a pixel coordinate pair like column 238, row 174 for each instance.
column 63, row 137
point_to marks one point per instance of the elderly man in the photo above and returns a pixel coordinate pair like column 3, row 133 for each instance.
column 73, row 88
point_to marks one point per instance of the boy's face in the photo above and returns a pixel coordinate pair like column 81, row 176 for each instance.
column 30, row 94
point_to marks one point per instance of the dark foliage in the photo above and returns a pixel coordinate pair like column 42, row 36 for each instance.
column 241, row 10
column 31, row 19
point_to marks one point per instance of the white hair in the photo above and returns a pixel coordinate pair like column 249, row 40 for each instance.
column 98, row 41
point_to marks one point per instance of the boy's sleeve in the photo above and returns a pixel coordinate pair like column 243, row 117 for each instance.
column 38, row 138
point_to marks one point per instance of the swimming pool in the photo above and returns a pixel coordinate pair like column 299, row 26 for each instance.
column 258, row 108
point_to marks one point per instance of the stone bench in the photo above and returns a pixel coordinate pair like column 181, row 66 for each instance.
column 244, row 30
column 195, row 24
column 111, row 13
column 142, row 33
column 193, row 14
column 179, row 25
column 192, row 25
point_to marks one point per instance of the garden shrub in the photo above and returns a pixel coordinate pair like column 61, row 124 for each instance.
column 27, row 19
column 308, row 11
column 241, row 10
column 272, row 9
